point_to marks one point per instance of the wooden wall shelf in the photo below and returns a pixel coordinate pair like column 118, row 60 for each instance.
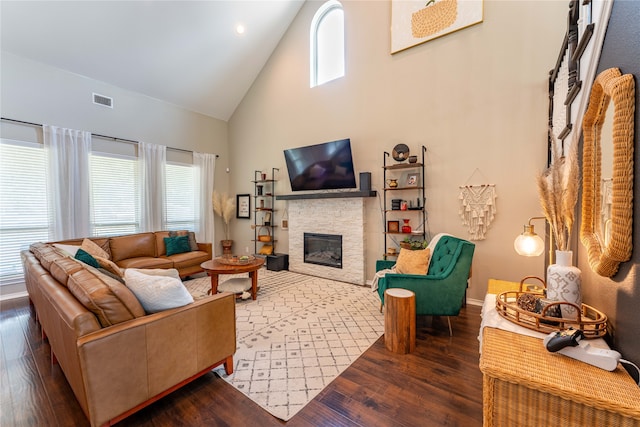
column 337, row 195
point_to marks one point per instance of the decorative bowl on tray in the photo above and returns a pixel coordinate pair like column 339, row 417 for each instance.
column 235, row 259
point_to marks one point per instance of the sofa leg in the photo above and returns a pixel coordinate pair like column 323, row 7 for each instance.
column 381, row 305
column 228, row 365
column 449, row 322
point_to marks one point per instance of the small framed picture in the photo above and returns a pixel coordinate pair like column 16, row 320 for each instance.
column 243, row 206
column 393, row 226
column 413, row 179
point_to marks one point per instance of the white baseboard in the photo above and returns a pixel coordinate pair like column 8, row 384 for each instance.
column 473, row 301
column 14, row 295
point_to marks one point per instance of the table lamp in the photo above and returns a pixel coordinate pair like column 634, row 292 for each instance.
column 529, row 243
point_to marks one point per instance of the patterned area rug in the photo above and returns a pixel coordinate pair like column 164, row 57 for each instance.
column 298, row 336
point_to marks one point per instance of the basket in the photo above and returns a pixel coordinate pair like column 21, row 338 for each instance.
column 264, row 237
column 592, row 322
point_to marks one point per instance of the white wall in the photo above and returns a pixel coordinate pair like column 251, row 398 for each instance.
column 477, row 99
column 34, row 92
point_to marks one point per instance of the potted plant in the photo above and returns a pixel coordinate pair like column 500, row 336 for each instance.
column 412, row 244
column 224, row 206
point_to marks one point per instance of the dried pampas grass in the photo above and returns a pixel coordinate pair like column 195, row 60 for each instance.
column 558, row 189
column 223, row 206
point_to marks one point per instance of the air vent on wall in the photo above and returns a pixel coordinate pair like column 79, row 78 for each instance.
column 102, row 100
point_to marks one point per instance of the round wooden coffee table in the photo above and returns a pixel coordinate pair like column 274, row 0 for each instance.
column 214, row 268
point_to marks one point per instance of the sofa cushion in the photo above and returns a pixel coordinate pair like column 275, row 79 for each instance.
column 188, row 259
column 132, row 246
column 145, row 262
column 92, row 248
column 111, row 301
column 157, row 292
column 62, row 268
column 413, row 262
column 177, row 245
column 46, row 253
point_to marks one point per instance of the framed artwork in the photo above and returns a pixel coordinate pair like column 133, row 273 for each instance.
column 393, row 226
column 243, row 206
column 413, row 179
column 417, row 21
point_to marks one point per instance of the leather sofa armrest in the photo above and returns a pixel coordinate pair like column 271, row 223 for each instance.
column 127, row 364
column 206, row 247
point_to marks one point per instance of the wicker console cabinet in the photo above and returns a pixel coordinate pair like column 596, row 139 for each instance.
column 525, row 385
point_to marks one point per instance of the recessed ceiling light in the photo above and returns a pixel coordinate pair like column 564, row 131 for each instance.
column 240, row 29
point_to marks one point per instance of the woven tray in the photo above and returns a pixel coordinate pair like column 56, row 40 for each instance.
column 591, row 321
column 235, row 260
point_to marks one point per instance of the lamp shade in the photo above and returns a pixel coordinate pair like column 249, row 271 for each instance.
column 529, row 243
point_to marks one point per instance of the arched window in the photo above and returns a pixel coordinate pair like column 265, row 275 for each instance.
column 327, row 43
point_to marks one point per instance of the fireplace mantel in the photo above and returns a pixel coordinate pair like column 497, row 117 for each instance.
column 336, row 195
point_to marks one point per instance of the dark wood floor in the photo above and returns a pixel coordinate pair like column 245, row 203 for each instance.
column 439, row 384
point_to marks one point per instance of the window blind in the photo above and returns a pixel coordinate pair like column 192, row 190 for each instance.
column 23, row 197
column 180, row 197
column 115, row 197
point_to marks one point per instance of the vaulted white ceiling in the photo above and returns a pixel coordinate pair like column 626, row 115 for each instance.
column 184, row 52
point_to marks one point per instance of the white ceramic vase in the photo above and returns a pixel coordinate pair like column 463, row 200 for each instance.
column 564, row 283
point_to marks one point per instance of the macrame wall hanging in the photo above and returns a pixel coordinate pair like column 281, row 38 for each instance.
column 477, row 208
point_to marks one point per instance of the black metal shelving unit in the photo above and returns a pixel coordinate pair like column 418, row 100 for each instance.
column 413, row 194
column 263, row 208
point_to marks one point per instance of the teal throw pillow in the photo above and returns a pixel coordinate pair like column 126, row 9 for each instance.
column 87, row 258
column 177, row 245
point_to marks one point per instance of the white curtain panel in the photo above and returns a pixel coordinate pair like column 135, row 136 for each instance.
column 67, row 152
column 152, row 160
column 205, row 171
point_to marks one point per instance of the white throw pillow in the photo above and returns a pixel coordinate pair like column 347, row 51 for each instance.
column 157, row 293
column 69, row 249
column 169, row 272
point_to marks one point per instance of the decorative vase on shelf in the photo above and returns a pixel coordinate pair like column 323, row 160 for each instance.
column 564, row 283
column 406, row 228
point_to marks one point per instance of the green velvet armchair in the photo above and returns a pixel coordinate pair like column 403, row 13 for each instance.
column 442, row 290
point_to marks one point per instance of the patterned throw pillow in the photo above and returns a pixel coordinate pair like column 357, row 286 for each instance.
column 86, row 257
column 413, row 262
column 177, row 245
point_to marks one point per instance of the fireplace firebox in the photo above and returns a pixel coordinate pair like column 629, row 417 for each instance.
column 323, row 249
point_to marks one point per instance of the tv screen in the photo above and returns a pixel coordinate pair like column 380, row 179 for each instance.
column 326, row 166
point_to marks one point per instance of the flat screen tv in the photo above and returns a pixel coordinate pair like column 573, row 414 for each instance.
column 326, row 166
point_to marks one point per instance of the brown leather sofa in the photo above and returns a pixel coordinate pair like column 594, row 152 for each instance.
column 147, row 250
column 116, row 358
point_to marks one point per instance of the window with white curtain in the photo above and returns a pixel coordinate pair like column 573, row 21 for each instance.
column 327, row 50
column 180, row 197
column 115, row 197
column 23, row 197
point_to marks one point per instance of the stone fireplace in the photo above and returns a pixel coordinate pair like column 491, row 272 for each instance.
column 332, row 216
